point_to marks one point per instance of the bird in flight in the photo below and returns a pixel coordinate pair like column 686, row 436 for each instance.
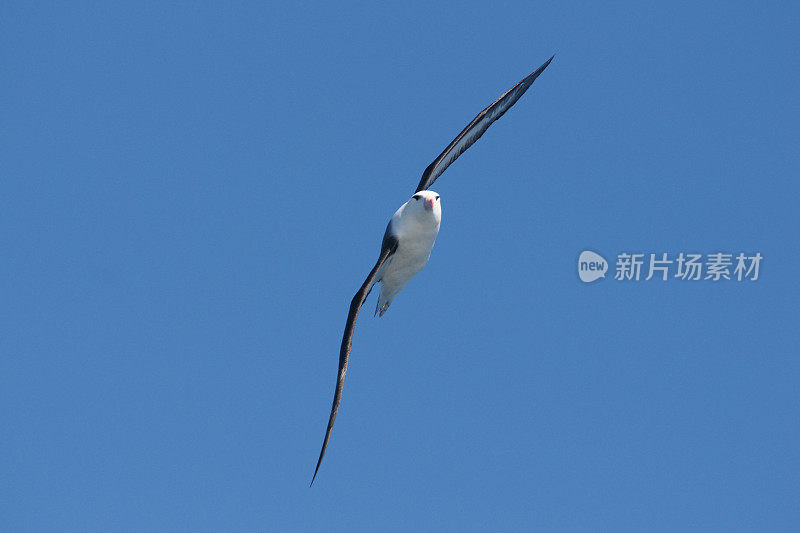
column 412, row 230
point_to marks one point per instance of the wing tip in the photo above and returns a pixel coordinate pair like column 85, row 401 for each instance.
column 539, row 70
column 319, row 462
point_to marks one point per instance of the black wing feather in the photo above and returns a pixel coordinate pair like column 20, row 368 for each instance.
column 387, row 249
column 476, row 128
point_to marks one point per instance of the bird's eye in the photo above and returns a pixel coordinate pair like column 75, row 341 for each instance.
column 437, row 196
column 416, row 197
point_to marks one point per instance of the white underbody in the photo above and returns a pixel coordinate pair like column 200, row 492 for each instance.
column 416, row 229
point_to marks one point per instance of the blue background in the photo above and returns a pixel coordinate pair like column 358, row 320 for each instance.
column 192, row 194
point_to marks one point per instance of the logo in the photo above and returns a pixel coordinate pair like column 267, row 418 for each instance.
column 685, row 266
column 591, row 266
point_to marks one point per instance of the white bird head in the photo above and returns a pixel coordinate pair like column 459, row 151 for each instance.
column 425, row 203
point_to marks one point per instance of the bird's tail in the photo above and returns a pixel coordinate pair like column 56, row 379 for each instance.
column 384, row 301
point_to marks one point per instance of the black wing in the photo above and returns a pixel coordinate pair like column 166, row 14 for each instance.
column 387, row 249
column 476, row 128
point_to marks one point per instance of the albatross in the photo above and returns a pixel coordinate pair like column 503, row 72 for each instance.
column 411, row 233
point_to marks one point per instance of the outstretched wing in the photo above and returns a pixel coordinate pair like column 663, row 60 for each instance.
column 476, row 128
column 387, row 249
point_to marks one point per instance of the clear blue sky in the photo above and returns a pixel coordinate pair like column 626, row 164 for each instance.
column 192, row 194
